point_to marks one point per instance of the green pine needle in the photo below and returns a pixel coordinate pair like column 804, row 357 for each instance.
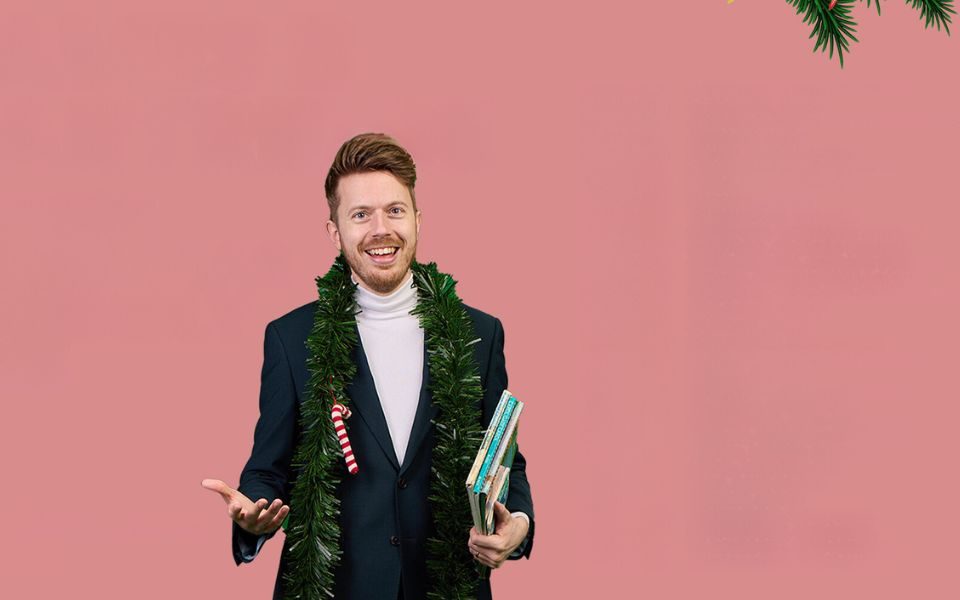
column 835, row 29
column 878, row 5
column 934, row 12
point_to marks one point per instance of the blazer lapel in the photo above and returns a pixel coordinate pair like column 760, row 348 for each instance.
column 366, row 402
column 423, row 420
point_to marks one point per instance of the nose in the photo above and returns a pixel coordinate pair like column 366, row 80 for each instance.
column 378, row 223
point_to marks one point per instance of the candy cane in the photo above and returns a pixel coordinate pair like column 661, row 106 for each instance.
column 339, row 413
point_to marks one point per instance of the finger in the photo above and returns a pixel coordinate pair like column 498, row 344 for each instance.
column 247, row 510
column 501, row 516
column 489, row 542
column 486, row 553
column 269, row 513
column 483, row 559
column 268, row 520
column 494, row 559
column 475, row 535
column 281, row 515
column 220, row 487
column 233, row 509
column 253, row 511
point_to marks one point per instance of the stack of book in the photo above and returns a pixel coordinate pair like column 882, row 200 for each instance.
column 489, row 478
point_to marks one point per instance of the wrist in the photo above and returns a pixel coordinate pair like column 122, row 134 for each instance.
column 522, row 528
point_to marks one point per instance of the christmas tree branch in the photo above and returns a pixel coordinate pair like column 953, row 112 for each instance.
column 878, row 5
column 936, row 12
column 834, row 27
column 832, row 24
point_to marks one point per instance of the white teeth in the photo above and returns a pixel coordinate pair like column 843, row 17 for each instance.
column 381, row 251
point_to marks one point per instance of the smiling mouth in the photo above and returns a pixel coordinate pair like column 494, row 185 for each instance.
column 383, row 255
column 387, row 251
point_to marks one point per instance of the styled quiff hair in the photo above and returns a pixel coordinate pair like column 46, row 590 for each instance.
column 365, row 153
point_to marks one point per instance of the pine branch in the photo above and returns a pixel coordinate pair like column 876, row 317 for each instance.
column 936, row 12
column 834, row 28
column 878, row 5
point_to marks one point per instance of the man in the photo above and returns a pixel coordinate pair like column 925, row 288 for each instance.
column 384, row 515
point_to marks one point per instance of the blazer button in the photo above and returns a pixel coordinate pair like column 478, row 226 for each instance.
column 402, row 483
column 394, row 540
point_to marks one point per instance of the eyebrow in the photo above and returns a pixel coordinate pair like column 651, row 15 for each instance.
column 366, row 207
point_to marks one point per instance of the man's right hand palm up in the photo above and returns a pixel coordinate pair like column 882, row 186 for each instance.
column 255, row 517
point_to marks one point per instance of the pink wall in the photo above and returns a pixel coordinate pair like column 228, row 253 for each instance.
column 735, row 260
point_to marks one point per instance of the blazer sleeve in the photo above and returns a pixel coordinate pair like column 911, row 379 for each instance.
column 519, row 498
column 267, row 472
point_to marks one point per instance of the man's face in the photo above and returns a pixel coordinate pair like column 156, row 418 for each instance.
column 377, row 229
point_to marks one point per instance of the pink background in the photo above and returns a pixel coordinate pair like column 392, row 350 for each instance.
column 727, row 270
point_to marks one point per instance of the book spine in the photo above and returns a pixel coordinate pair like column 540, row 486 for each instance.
column 502, row 448
column 494, row 443
column 487, row 435
column 474, row 509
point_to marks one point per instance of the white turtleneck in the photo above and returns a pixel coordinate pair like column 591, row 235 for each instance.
column 393, row 342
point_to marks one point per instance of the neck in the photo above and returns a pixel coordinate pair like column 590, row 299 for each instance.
column 397, row 303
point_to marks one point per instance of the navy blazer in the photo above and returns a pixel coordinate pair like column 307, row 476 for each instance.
column 385, row 517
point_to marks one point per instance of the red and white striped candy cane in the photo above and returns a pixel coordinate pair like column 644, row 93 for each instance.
column 339, row 413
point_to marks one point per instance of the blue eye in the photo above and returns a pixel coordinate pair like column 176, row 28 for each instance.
column 359, row 213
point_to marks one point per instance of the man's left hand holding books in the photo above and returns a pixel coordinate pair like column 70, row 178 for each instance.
column 509, row 532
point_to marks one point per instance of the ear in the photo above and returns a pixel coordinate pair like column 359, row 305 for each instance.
column 418, row 221
column 334, row 234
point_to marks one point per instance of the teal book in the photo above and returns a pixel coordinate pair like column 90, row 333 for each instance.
column 494, row 444
column 495, row 484
column 507, row 446
column 482, row 454
column 487, row 437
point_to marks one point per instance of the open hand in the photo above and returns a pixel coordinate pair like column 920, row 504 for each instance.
column 256, row 517
column 509, row 532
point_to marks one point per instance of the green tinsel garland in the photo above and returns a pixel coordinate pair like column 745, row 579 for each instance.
column 313, row 531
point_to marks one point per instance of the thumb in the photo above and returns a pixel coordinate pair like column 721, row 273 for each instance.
column 501, row 513
column 220, row 487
